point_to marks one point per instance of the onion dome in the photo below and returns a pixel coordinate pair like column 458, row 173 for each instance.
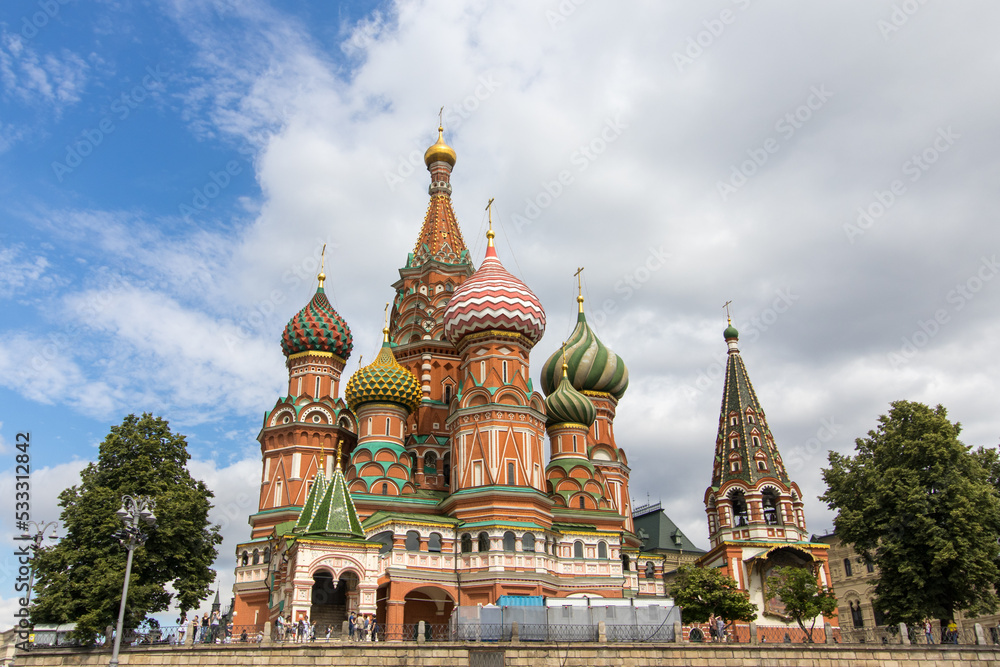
column 592, row 365
column 317, row 328
column 731, row 332
column 566, row 405
column 440, row 151
column 493, row 299
column 383, row 381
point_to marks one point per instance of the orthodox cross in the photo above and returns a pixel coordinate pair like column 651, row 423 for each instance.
column 726, row 306
column 441, row 117
column 579, row 281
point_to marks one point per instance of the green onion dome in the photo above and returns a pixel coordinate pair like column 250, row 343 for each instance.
column 383, row 381
column 566, row 405
column 731, row 332
column 592, row 365
column 317, row 328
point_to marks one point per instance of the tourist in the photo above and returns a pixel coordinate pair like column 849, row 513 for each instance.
column 181, row 629
column 204, row 628
column 351, row 620
column 366, row 628
column 720, row 628
column 312, row 632
column 214, row 625
column 279, row 628
column 928, row 631
column 328, row 628
column 952, row 632
column 713, row 633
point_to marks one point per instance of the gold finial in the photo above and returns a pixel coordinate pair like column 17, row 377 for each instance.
column 322, row 455
column 322, row 265
column 385, row 326
column 339, row 440
column 579, row 288
column 489, row 233
column 441, row 120
column 565, row 365
column 726, row 306
column 360, row 357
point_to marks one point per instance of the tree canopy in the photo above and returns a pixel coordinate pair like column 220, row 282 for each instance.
column 80, row 578
column 917, row 503
column 803, row 597
column 703, row 591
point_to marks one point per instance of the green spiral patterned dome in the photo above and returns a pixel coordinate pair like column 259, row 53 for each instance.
column 383, row 381
column 317, row 328
column 566, row 405
column 592, row 365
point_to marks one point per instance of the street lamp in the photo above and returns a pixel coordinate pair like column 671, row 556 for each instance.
column 132, row 512
column 36, row 544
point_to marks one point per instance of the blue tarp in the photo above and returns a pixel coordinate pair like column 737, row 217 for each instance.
column 521, row 601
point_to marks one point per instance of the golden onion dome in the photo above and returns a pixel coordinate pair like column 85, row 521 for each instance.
column 384, row 381
column 440, row 151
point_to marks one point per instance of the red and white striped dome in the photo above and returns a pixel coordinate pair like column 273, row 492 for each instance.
column 493, row 299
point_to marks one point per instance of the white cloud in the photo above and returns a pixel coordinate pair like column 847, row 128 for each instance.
column 57, row 81
column 17, row 272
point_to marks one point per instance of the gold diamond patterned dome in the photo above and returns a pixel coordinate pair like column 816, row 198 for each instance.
column 440, row 151
column 383, row 381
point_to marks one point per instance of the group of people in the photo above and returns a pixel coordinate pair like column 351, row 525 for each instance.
column 296, row 631
column 362, row 628
column 949, row 633
column 717, row 628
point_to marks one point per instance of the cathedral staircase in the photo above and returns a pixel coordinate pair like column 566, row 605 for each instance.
column 333, row 615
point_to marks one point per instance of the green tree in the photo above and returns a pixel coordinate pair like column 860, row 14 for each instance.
column 802, row 595
column 80, row 578
column 703, row 591
column 917, row 503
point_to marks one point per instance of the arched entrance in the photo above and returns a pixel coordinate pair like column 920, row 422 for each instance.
column 428, row 604
column 331, row 601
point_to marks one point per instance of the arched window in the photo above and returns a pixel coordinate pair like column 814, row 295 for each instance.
column 267, row 554
column 756, row 440
column 385, row 488
column 434, row 543
column 447, row 393
column 503, row 366
column 847, row 568
column 412, row 540
column 484, row 542
column 509, row 541
column 871, row 567
column 625, row 563
column 528, row 542
column 769, row 501
column 578, row 549
column 446, row 469
column 583, row 503
column 385, row 537
column 245, row 558
column 602, row 549
column 256, row 557
column 739, row 507
column 466, row 543
column 650, row 569
column 430, row 463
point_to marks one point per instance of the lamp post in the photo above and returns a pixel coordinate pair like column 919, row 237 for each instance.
column 132, row 512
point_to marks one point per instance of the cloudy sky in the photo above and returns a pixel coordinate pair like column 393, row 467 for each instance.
column 170, row 171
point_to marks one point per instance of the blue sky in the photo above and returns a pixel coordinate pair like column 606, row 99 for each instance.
column 170, row 171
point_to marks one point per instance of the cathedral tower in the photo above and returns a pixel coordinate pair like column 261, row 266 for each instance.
column 755, row 511
column 439, row 263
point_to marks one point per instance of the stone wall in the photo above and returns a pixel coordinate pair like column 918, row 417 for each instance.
column 522, row 655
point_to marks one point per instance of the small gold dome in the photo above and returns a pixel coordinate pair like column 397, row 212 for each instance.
column 440, row 151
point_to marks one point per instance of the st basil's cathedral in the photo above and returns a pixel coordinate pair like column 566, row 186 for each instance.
column 426, row 485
